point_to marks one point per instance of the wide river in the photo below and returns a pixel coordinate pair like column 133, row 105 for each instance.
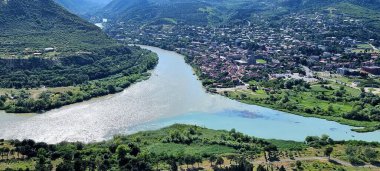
column 172, row 95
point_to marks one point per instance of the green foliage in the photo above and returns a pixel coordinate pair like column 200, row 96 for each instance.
column 102, row 79
column 314, row 141
column 32, row 25
column 43, row 45
column 335, row 102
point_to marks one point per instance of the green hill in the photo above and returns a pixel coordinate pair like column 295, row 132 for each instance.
column 213, row 12
column 37, row 24
column 201, row 12
column 43, row 45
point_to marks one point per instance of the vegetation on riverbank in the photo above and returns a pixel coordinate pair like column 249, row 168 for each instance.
column 50, row 58
column 189, row 147
column 115, row 70
column 325, row 100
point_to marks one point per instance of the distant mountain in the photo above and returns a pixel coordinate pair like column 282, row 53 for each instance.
column 215, row 11
column 302, row 4
column 176, row 11
column 83, row 6
column 365, row 10
column 42, row 23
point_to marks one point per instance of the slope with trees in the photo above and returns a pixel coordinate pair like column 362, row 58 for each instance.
column 64, row 58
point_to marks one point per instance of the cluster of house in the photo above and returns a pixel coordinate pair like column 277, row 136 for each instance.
column 258, row 49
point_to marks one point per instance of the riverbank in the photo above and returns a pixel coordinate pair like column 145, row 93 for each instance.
column 172, row 94
column 244, row 91
column 186, row 146
column 362, row 126
column 131, row 68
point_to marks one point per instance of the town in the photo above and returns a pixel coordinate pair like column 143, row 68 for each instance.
column 229, row 56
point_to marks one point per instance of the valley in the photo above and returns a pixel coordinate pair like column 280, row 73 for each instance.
column 266, row 85
column 277, row 62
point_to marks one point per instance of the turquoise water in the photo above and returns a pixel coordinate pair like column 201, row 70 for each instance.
column 269, row 125
column 171, row 95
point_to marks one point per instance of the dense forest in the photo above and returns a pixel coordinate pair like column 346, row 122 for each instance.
column 185, row 147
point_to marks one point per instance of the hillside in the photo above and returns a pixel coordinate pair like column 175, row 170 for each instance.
column 63, row 57
column 212, row 12
column 36, row 24
column 184, row 147
column 82, row 7
column 177, row 11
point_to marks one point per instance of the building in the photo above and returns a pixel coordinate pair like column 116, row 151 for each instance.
column 374, row 70
column 343, row 71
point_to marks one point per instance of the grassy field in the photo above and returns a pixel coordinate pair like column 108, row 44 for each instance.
column 261, row 61
column 302, row 100
column 365, row 48
column 35, row 92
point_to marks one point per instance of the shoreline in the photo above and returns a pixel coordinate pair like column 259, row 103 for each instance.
column 361, row 126
column 119, row 81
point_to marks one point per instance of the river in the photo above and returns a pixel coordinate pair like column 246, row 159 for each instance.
column 171, row 95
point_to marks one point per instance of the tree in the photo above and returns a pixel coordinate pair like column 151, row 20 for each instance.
column 134, row 149
column 260, row 168
column 65, row 166
column 231, row 157
column 111, row 88
column 328, row 151
column 198, row 159
column 370, row 154
column 219, row 161
column 298, row 164
column 212, row 159
column 122, row 151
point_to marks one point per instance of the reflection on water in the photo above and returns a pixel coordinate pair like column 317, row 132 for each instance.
column 172, row 95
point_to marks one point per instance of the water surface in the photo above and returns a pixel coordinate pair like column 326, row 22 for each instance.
column 172, row 95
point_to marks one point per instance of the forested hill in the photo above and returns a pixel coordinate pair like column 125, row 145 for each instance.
column 64, row 58
column 36, row 24
column 176, row 11
column 207, row 12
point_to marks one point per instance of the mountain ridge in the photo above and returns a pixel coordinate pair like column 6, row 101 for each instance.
column 43, row 23
column 206, row 12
